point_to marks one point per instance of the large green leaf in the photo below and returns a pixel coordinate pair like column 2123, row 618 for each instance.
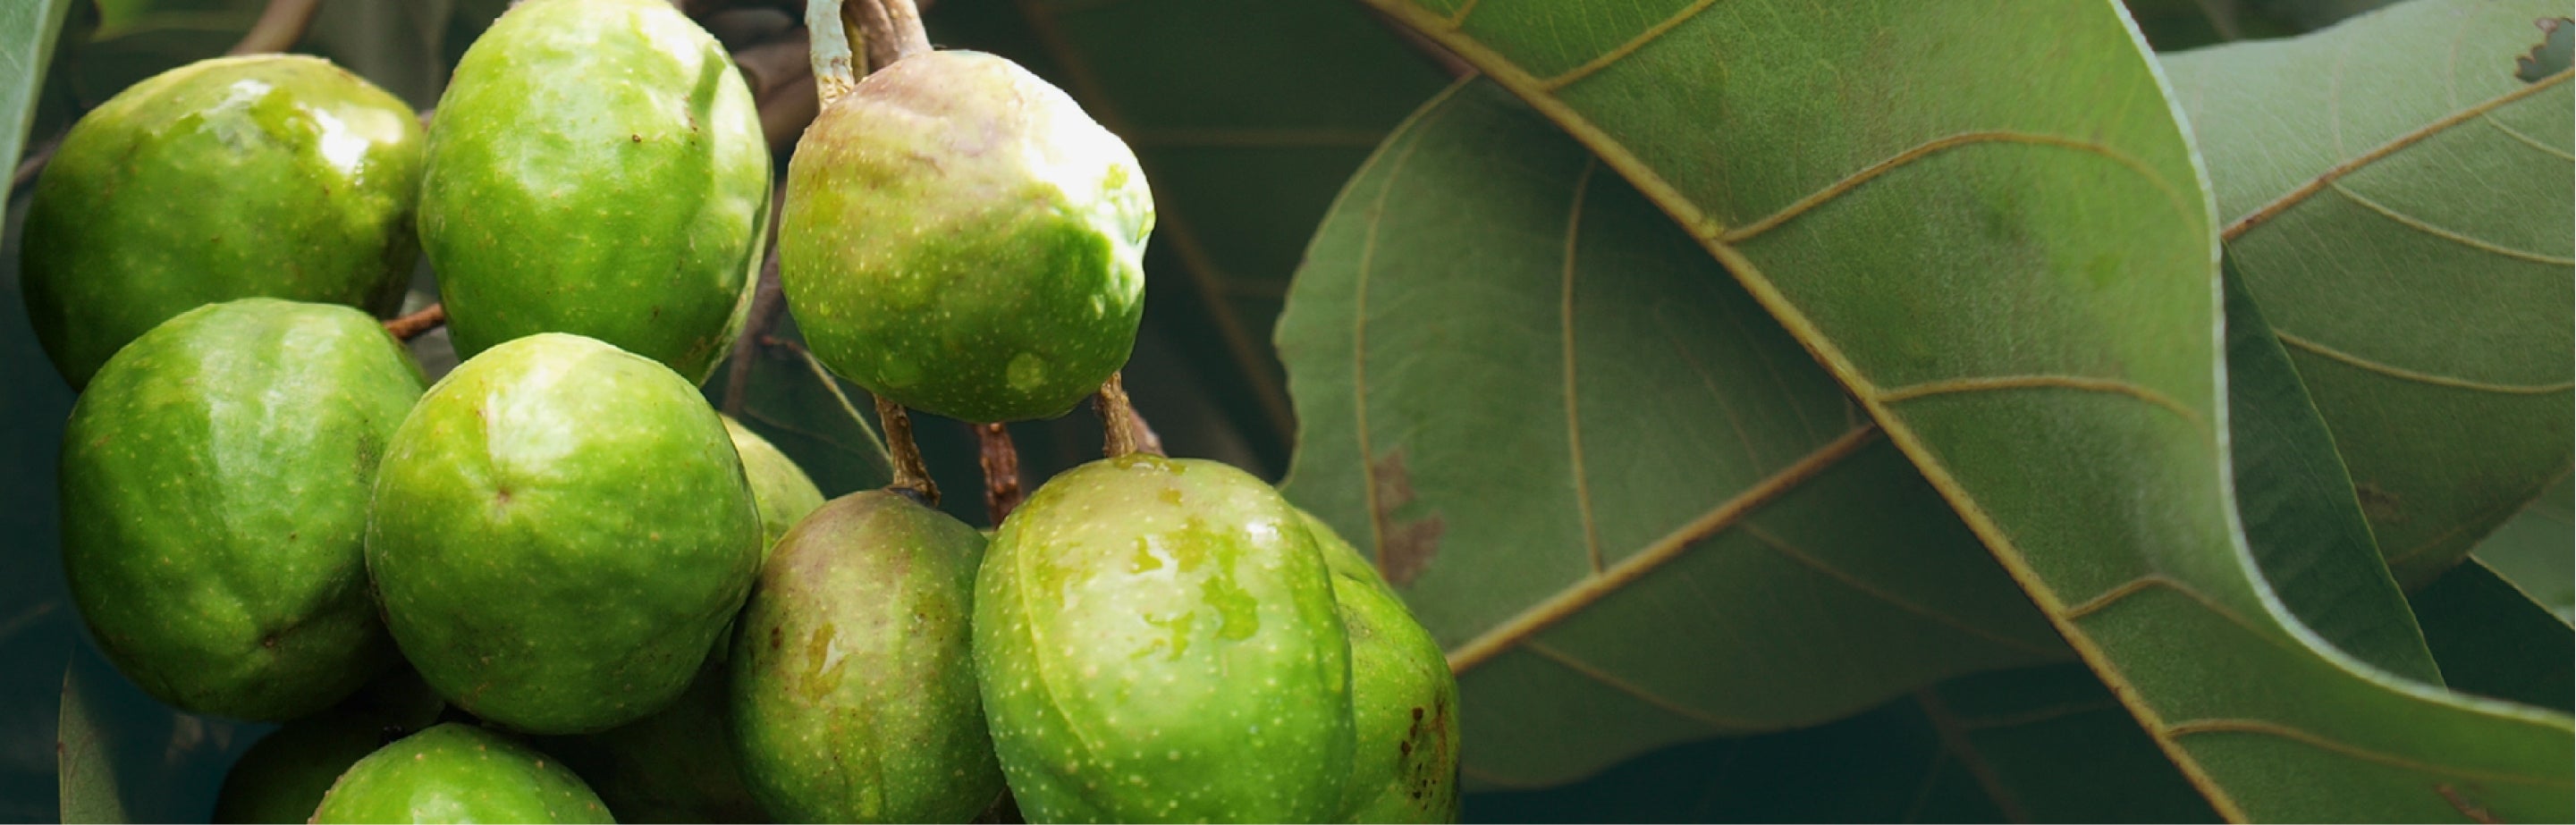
column 27, row 32
column 2531, row 550
column 2045, row 744
column 2397, row 201
column 1247, row 117
column 1988, row 225
column 2494, row 640
column 1607, row 481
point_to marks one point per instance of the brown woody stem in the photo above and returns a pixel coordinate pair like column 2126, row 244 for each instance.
column 1001, row 462
column 910, row 473
column 412, row 326
column 1123, row 432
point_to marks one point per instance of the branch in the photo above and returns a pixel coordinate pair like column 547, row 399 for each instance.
column 1001, row 462
column 414, row 325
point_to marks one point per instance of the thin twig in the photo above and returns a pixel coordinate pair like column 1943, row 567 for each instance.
column 1123, row 432
column 815, row 365
column 831, row 51
column 910, row 473
column 893, row 31
column 1001, row 460
column 414, row 325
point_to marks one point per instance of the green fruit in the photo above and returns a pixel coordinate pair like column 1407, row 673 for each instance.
column 853, row 682
column 781, row 489
column 215, row 484
column 276, row 175
column 1404, row 701
column 561, row 530
column 960, row 238
column 282, row 778
column 676, row 765
column 1157, row 641
column 597, row 167
column 459, row 773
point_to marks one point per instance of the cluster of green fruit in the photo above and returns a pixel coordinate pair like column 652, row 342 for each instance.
column 557, row 584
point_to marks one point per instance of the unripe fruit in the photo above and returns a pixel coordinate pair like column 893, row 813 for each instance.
column 854, row 690
column 269, row 176
column 1404, row 701
column 960, row 238
column 780, row 488
column 597, row 168
column 561, row 529
column 1157, row 641
column 215, row 485
column 459, row 773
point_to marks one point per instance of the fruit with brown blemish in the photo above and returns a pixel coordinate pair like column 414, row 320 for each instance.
column 854, row 693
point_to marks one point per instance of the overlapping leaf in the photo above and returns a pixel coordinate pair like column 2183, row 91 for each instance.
column 1998, row 242
column 1620, row 494
column 2045, row 744
column 2531, row 550
column 2396, row 199
column 2493, row 640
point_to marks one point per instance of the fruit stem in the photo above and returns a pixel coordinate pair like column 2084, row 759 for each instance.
column 884, row 30
column 910, row 473
column 1001, row 461
column 414, row 325
column 1123, row 432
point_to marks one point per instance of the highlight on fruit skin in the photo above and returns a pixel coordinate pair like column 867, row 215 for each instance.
column 458, row 772
column 597, row 167
column 959, row 237
column 279, row 176
column 560, row 532
column 215, row 486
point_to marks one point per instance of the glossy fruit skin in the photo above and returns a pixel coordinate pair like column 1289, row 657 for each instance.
column 781, row 489
column 215, row 481
column 459, row 773
column 853, row 682
column 297, row 180
column 959, row 237
column 561, row 530
column 1404, row 700
column 1157, row 641
column 597, row 167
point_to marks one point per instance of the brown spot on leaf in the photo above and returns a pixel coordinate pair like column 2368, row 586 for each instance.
column 2379, row 505
column 1405, row 546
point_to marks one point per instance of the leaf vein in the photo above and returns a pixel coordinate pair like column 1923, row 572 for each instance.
column 1584, row 592
column 1621, row 51
column 1926, row 149
column 1810, row 561
column 2302, row 192
column 2262, row 727
column 2404, row 374
column 1638, row 692
column 1573, row 392
column 2454, row 236
column 2020, row 382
